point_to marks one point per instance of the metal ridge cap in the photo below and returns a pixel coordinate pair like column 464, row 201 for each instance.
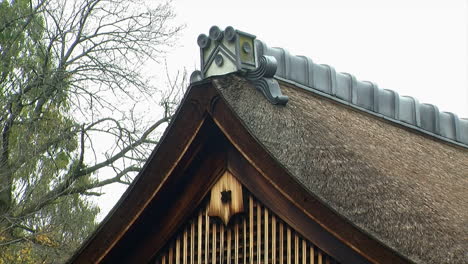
column 334, row 98
column 363, row 95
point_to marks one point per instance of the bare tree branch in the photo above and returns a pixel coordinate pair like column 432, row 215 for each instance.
column 71, row 89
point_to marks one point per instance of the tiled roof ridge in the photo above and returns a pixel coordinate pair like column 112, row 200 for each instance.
column 367, row 96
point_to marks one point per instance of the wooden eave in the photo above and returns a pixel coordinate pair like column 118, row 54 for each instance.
column 205, row 139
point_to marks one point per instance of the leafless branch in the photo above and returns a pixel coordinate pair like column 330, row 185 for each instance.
column 69, row 97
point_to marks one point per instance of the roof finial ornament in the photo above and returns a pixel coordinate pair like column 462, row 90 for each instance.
column 234, row 51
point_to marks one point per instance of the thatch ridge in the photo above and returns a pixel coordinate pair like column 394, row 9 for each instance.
column 367, row 96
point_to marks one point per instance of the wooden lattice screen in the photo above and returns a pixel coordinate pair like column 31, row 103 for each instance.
column 256, row 236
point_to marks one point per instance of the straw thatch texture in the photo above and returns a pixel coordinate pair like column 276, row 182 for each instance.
column 408, row 190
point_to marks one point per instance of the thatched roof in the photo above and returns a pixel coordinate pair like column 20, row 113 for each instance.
column 403, row 187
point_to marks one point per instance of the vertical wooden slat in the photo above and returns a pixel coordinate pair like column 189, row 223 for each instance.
column 319, row 257
column 312, row 255
column 327, row 259
column 251, row 233
column 221, row 244
column 199, row 236
column 207, row 237
column 244, row 222
column 184, row 251
column 177, row 253
column 236, row 243
column 163, row 259
column 288, row 245
column 213, row 255
column 259, row 233
column 296, row 248
column 266, row 254
column 192, row 242
column 273, row 239
column 304, row 251
column 228, row 249
column 171, row 255
column 281, row 241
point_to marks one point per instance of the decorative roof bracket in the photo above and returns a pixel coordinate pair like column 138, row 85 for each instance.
column 262, row 79
column 234, row 51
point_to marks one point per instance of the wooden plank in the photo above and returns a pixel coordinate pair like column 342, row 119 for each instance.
column 288, row 244
column 273, row 239
column 251, row 233
column 304, row 251
column 171, row 255
column 296, row 248
column 312, row 255
column 192, row 242
column 236, row 241
column 184, row 247
column 200, row 237
column 221, row 243
column 259, row 232
column 244, row 252
column 207, row 237
column 177, row 253
column 281, row 241
column 266, row 234
column 213, row 250
column 228, row 250
column 319, row 257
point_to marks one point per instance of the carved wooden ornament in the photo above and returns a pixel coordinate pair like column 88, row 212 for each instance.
column 226, row 198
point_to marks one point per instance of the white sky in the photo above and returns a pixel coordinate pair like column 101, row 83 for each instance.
column 415, row 47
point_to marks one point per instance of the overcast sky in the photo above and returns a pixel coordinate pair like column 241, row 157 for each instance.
column 416, row 47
